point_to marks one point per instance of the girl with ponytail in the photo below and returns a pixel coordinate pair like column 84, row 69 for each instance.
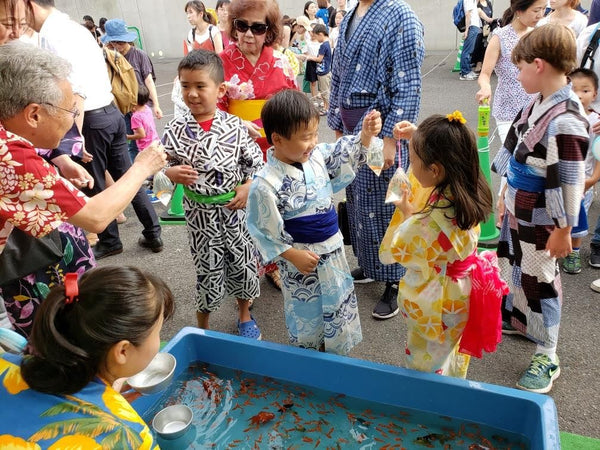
column 86, row 335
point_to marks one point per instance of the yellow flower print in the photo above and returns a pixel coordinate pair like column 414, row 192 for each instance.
column 430, row 327
column 412, row 309
column 454, row 306
column 75, row 442
column 120, row 407
column 8, row 442
column 12, row 381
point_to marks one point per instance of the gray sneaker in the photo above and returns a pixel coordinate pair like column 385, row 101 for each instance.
column 595, row 255
column 471, row 76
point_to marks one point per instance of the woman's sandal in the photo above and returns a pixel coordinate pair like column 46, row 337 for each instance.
column 249, row 329
column 274, row 278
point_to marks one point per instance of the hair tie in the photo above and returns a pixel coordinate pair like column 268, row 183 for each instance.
column 456, row 116
column 71, row 288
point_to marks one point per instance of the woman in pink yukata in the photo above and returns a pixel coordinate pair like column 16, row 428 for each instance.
column 448, row 288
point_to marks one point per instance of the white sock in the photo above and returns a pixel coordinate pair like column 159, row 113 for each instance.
column 550, row 352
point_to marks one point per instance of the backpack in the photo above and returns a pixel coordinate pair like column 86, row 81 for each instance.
column 123, row 81
column 458, row 16
column 591, row 50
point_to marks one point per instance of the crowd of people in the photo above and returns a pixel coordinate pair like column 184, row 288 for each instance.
column 258, row 187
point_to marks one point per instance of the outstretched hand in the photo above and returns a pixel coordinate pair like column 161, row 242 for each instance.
column 372, row 124
column 404, row 130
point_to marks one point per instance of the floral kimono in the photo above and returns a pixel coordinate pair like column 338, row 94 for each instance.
column 95, row 417
column 292, row 206
column 435, row 294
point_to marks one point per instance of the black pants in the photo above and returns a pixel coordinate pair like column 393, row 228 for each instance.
column 106, row 140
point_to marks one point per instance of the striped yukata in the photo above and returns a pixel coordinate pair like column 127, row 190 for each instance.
column 221, row 246
column 543, row 159
column 377, row 65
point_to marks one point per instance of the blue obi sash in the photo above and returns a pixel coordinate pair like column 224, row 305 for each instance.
column 314, row 228
column 520, row 177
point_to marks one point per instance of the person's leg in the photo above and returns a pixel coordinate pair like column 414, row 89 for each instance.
column 467, row 50
column 202, row 319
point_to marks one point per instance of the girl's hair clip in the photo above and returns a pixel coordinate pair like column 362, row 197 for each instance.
column 456, row 116
column 71, row 288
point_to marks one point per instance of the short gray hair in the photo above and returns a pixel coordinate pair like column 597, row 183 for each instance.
column 28, row 75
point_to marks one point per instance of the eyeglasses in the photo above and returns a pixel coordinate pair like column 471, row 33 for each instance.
column 257, row 29
column 74, row 112
column 15, row 25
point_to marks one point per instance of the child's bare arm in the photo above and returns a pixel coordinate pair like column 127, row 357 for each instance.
column 594, row 178
column 304, row 260
column 138, row 133
column 185, row 175
column 371, row 127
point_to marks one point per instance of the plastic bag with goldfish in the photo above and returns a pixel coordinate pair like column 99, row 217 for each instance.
column 398, row 184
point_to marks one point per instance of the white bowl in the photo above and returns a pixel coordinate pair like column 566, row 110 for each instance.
column 173, row 421
column 156, row 376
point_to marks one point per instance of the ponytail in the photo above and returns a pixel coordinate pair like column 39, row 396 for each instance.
column 69, row 342
column 507, row 17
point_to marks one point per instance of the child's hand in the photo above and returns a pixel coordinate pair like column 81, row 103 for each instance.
column 372, row 124
column 185, row 175
column 404, row 130
column 304, row 260
column 405, row 205
column 559, row 242
column 241, row 197
column 253, row 129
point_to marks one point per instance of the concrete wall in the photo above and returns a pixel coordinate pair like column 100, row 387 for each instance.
column 163, row 25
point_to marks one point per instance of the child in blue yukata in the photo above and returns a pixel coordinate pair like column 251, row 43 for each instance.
column 214, row 158
column 292, row 219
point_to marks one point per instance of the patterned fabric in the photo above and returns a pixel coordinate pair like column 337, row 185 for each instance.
column 378, row 66
column 434, row 305
column 320, row 307
column 510, row 97
column 221, row 247
column 36, row 199
column 96, row 417
column 552, row 152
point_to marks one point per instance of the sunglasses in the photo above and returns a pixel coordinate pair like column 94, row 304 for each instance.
column 257, row 29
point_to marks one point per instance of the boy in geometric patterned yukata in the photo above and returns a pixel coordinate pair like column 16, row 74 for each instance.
column 292, row 218
column 214, row 158
column 543, row 160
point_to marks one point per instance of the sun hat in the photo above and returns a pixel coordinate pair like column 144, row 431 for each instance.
column 116, row 30
column 303, row 22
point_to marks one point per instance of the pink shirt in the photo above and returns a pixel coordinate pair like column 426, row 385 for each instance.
column 144, row 119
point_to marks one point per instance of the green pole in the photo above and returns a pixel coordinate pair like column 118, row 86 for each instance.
column 489, row 232
column 175, row 214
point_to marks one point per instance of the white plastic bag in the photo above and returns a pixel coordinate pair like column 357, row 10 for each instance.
column 375, row 156
column 398, row 184
column 162, row 187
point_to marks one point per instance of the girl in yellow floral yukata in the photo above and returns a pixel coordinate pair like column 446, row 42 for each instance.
column 85, row 336
column 450, row 295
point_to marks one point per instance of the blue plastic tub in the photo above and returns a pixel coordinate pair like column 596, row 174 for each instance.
column 531, row 415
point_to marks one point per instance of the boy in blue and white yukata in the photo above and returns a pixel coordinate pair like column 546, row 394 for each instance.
column 214, row 158
column 292, row 218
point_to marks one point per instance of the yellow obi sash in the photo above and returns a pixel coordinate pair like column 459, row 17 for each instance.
column 248, row 110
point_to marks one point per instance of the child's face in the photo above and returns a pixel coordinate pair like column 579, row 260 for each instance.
column 528, row 76
column 427, row 176
column 320, row 37
column 200, row 93
column 584, row 88
column 299, row 146
column 140, row 356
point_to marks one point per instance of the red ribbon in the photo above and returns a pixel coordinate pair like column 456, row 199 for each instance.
column 71, row 288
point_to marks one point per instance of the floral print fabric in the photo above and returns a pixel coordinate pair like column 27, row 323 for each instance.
column 96, row 417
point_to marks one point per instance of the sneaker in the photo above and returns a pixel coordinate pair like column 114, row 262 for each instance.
column 595, row 286
column 153, row 198
column 572, row 263
column 540, row 374
column 471, row 76
column 387, row 306
column 360, row 277
column 595, row 255
column 507, row 328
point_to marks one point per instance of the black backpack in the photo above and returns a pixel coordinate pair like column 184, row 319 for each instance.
column 591, row 50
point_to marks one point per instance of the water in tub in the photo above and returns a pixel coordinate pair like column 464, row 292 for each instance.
column 234, row 409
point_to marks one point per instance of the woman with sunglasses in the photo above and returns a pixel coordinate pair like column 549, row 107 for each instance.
column 254, row 71
column 204, row 33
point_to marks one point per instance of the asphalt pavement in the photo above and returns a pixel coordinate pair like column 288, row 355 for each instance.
column 575, row 392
